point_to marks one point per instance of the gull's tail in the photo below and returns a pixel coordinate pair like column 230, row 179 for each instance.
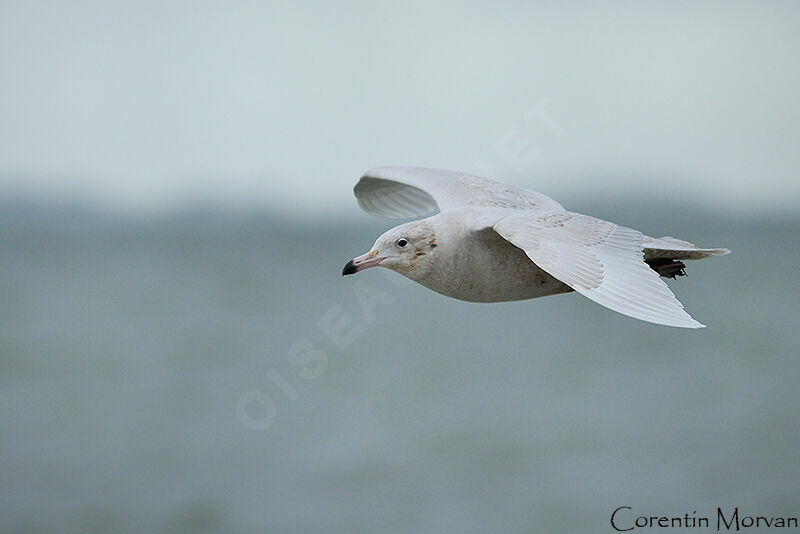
column 663, row 255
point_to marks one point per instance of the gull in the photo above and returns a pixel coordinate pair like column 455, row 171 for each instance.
column 492, row 242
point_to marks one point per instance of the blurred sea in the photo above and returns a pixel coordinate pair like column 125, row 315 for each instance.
column 126, row 346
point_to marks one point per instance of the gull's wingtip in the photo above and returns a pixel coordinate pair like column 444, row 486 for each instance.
column 691, row 322
column 689, row 325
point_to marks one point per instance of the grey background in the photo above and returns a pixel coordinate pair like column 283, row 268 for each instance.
column 159, row 105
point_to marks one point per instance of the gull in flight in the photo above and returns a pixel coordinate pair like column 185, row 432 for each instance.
column 491, row 242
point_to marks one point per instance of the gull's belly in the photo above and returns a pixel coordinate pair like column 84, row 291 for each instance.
column 484, row 267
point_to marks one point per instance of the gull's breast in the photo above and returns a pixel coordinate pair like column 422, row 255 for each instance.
column 484, row 267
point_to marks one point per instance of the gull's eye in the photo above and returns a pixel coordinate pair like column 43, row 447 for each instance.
column 402, row 242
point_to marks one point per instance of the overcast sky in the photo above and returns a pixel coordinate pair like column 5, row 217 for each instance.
column 152, row 105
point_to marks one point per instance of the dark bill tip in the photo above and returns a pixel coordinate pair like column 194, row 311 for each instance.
column 349, row 268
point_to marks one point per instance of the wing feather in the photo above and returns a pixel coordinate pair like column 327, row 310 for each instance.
column 407, row 192
column 599, row 259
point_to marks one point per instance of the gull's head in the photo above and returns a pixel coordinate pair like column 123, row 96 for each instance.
column 405, row 249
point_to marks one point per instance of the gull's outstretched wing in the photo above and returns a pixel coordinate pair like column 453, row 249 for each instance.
column 407, row 192
column 599, row 259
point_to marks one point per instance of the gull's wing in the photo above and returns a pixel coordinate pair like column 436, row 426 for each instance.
column 407, row 192
column 599, row 259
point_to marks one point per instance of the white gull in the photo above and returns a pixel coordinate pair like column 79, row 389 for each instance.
column 492, row 242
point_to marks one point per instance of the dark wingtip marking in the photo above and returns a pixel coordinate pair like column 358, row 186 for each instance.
column 666, row 267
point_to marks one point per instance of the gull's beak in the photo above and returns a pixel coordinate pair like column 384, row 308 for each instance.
column 365, row 261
